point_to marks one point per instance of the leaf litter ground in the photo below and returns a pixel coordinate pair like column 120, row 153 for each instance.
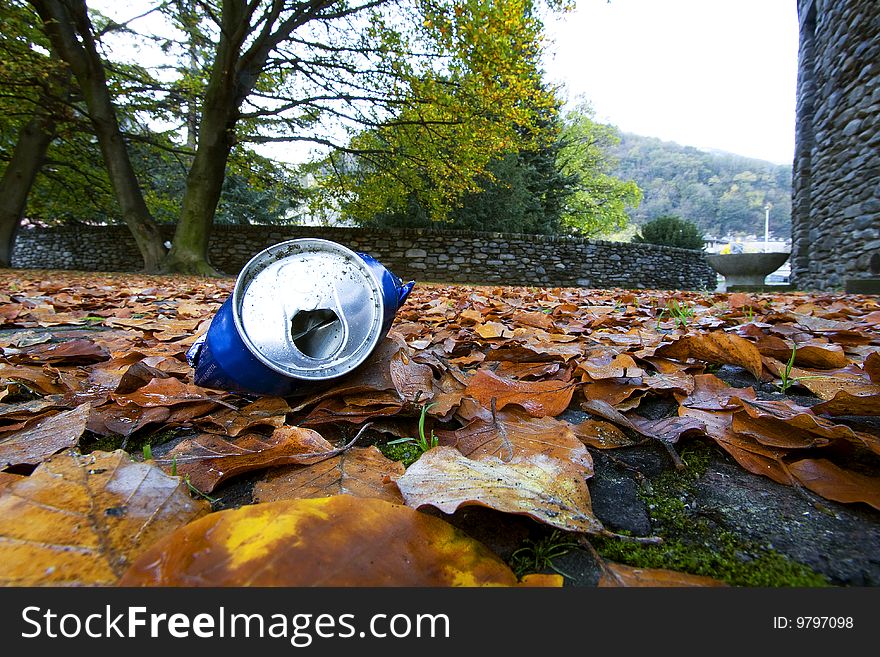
column 498, row 436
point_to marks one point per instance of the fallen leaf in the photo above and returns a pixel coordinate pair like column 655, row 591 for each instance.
column 79, row 520
column 834, row 483
column 716, row 347
column 538, row 398
column 164, row 392
column 515, row 435
column 208, row 459
column 544, row 488
column 71, row 352
column 618, row 574
column 51, row 435
column 602, row 435
column 339, row 541
column 845, row 403
column 360, row 471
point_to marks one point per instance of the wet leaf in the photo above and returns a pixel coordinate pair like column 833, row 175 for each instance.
column 339, row 541
column 208, row 459
column 164, row 392
column 51, row 435
column 79, row 520
column 834, row 483
column 360, row 471
column 716, row 347
column 538, row 398
column 270, row 412
column 514, row 434
column 544, row 488
column 845, row 403
column 618, row 574
column 71, row 352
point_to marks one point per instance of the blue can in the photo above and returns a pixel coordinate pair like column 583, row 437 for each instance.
column 302, row 313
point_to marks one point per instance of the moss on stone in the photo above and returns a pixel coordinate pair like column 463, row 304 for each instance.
column 694, row 545
column 407, row 453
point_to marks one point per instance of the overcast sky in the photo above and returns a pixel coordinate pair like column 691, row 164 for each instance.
column 713, row 74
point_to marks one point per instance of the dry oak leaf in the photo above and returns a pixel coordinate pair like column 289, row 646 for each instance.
column 618, row 574
column 79, row 520
column 547, row 489
column 716, row 347
column 339, row 541
column 538, row 398
column 208, row 458
column 34, row 444
column 834, row 483
column 360, row 471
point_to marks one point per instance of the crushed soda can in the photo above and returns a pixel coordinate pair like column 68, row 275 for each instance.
column 302, row 313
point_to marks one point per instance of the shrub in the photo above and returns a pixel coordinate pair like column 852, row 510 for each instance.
column 670, row 230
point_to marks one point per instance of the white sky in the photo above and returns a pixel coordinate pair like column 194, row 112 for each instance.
column 714, row 74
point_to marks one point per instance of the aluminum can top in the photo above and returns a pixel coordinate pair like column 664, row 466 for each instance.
column 309, row 308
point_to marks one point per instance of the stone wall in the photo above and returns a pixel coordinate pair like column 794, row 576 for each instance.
column 836, row 194
column 422, row 255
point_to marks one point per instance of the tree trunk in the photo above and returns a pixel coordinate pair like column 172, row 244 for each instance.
column 27, row 158
column 216, row 135
column 69, row 30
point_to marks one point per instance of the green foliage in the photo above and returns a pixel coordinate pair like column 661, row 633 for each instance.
column 475, row 156
column 682, row 313
column 721, row 193
column 670, row 230
column 409, row 449
column 537, row 556
column 600, row 200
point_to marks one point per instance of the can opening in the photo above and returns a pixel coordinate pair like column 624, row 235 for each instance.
column 317, row 333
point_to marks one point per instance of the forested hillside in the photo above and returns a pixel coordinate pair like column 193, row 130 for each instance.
column 720, row 192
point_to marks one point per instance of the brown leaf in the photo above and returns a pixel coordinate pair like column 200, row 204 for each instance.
column 750, row 454
column 491, row 330
column 137, row 376
column 544, row 488
column 7, row 479
column 164, row 392
column 264, row 412
column 712, row 394
column 49, row 436
column 360, row 471
column 42, row 379
column 208, row 459
column 825, row 384
column 845, row 403
column 602, row 435
column 872, row 366
column 834, row 483
column 716, row 347
column 618, row 574
column 515, row 435
column 112, row 419
column 339, row 541
column 71, row 352
column 78, row 520
column 538, row 398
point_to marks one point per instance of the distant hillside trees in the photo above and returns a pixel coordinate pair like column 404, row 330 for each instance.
column 721, row 193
